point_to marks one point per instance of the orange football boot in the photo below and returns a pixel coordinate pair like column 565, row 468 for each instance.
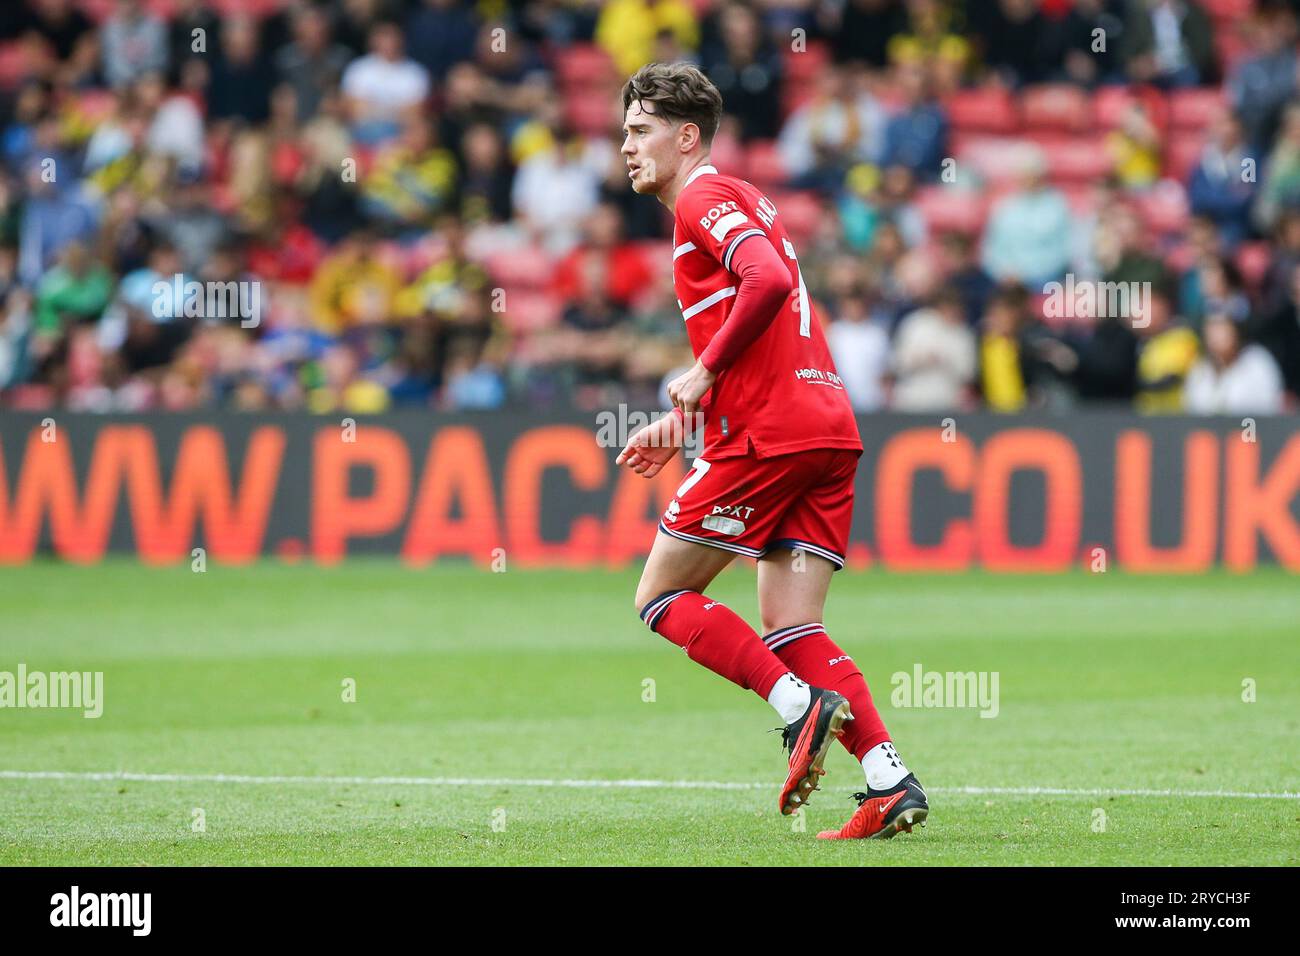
column 808, row 739
column 882, row 815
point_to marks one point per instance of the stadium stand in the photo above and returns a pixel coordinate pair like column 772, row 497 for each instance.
column 404, row 181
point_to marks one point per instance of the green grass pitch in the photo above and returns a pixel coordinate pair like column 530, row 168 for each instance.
column 500, row 682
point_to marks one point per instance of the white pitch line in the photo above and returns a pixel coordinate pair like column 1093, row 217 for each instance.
column 123, row 775
column 1112, row 792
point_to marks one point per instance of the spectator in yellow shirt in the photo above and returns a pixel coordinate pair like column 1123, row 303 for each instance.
column 1002, row 378
column 353, row 287
column 1135, row 148
column 411, row 181
column 1167, row 350
column 627, row 29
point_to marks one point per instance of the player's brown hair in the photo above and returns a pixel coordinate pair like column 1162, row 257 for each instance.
column 680, row 93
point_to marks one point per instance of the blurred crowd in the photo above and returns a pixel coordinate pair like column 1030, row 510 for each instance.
column 428, row 200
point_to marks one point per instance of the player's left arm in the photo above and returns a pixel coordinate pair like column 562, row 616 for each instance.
column 765, row 286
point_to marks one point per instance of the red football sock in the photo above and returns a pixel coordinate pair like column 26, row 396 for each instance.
column 714, row 635
column 815, row 659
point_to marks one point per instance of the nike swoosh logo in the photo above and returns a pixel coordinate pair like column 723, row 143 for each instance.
column 884, row 810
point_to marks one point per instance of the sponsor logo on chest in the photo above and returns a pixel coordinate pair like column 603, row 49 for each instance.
column 717, row 212
column 820, row 376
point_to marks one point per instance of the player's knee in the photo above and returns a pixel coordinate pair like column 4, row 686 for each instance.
column 644, row 595
column 648, row 591
column 788, row 617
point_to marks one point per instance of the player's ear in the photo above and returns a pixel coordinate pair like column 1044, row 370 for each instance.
column 688, row 136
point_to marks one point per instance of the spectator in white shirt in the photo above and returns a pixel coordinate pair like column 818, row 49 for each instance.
column 934, row 357
column 384, row 87
column 177, row 126
column 558, row 186
column 859, row 344
column 1232, row 379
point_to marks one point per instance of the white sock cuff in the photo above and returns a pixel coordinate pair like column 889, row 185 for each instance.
column 883, row 766
column 790, row 697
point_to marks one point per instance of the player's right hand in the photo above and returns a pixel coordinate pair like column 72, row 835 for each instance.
column 652, row 447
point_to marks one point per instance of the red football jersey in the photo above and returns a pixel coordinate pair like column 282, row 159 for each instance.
column 782, row 394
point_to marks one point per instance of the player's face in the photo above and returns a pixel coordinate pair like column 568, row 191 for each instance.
column 648, row 148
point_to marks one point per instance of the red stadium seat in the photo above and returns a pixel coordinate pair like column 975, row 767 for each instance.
column 230, row 8
column 801, row 68
column 1056, row 106
column 100, row 10
column 525, row 267
column 987, row 155
column 1082, row 197
column 985, row 109
column 1182, row 153
column 794, row 96
column 1163, row 208
column 946, row 209
column 31, row 398
column 584, row 65
column 529, row 311
column 1000, row 191
column 1078, row 159
column 656, row 253
column 594, row 114
column 1253, row 260
column 1230, row 46
column 800, row 210
column 763, row 165
column 1110, row 102
column 13, row 63
column 1229, row 9
column 1193, row 109
column 728, row 154
column 1180, row 258
column 97, row 10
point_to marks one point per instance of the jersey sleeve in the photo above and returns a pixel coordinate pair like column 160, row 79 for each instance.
column 714, row 219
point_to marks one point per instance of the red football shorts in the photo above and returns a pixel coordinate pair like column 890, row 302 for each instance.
column 754, row 505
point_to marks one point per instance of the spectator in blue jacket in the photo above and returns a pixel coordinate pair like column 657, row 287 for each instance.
column 916, row 136
column 1222, row 185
